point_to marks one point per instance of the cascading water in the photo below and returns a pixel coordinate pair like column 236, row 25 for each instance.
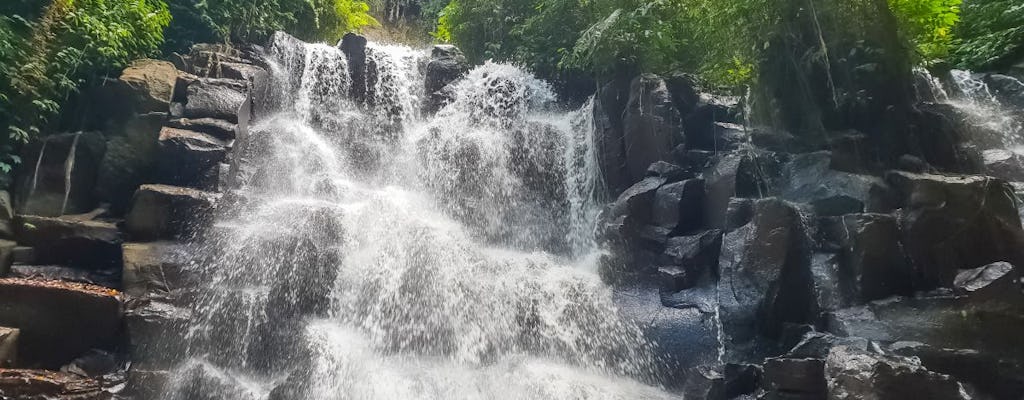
column 376, row 254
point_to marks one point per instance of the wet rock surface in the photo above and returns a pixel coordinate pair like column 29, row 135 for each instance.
column 48, row 385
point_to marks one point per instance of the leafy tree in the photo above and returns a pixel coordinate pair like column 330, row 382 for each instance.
column 991, row 34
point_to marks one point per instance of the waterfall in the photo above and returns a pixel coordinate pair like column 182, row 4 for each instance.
column 372, row 252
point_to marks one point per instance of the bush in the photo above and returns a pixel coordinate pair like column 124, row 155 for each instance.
column 991, row 35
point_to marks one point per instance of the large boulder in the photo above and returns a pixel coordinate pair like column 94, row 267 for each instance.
column 217, row 128
column 58, row 174
column 691, row 260
column 154, row 269
column 872, row 265
column 446, row 64
column 651, row 125
column 8, row 346
column 679, row 207
column 354, row 47
column 1004, row 164
column 741, row 174
column 58, row 320
column 765, row 279
column 951, row 223
column 1007, row 89
column 217, row 98
column 988, row 374
column 168, row 212
column 24, row 384
column 151, row 84
column 131, row 159
column 186, row 157
column 66, row 241
column 999, row 281
column 157, row 332
column 809, row 178
column 637, row 202
column 609, row 102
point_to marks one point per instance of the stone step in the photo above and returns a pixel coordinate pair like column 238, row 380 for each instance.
column 91, row 244
column 59, row 320
column 40, row 384
column 168, row 212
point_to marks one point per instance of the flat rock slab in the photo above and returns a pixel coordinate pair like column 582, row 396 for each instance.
column 26, row 384
column 168, row 212
column 58, row 320
column 65, row 241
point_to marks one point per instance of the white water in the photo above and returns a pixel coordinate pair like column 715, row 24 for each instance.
column 381, row 254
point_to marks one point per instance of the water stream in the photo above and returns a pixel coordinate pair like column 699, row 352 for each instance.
column 376, row 253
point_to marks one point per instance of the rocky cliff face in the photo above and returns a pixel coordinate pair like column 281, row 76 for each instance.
column 842, row 264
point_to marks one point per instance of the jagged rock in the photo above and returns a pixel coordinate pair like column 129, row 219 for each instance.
column 727, row 382
column 765, row 278
column 679, row 206
column 446, row 64
column 809, row 179
column 151, row 84
column 24, row 384
column 8, row 347
column 744, row 174
column 131, row 159
column 956, row 222
column 168, row 212
column 651, row 125
column 58, row 320
column 94, row 363
column 41, row 183
column 217, row 98
column 998, row 281
column 153, row 270
column 738, row 212
column 609, row 103
column 825, row 275
column 1004, row 164
column 684, row 91
column 795, row 378
column 671, row 172
column 241, row 71
column 66, row 241
column 775, row 140
column 185, row 156
column 1008, row 90
column 720, row 136
column 700, row 124
column 911, row 163
column 637, row 202
column 696, row 255
column 855, row 374
column 987, row 373
column 872, row 265
column 217, row 128
column 694, row 162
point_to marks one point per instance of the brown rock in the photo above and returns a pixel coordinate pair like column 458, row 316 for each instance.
column 168, row 212
column 66, row 241
column 58, row 320
column 8, row 346
column 152, row 83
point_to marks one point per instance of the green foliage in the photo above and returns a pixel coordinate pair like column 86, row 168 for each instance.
column 991, row 34
column 928, row 24
column 69, row 42
column 254, row 20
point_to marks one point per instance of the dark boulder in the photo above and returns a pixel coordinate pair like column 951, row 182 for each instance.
column 1008, row 90
column 650, row 124
column 58, row 174
column 726, row 382
column 156, row 333
column 671, row 172
column 446, row 65
column 795, row 378
column 609, row 103
column 354, row 47
column 168, row 212
column 131, row 159
column 186, row 156
column 998, row 281
column 765, row 279
column 951, row 223
column 988, row 374
column 637, row 202
column 67, row 241
column 719, row 136
column 58, row 320
column 1004, row 164
column 872, row 265
column 154, row 270
column 694, row 162
column 217, row 98
column 695, row 256
column 24, row 384
column 809, row 179
column 744, row 174
column 856, row 374
column 679, row 206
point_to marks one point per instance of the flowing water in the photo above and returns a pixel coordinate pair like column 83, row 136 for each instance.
column 372, row 252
